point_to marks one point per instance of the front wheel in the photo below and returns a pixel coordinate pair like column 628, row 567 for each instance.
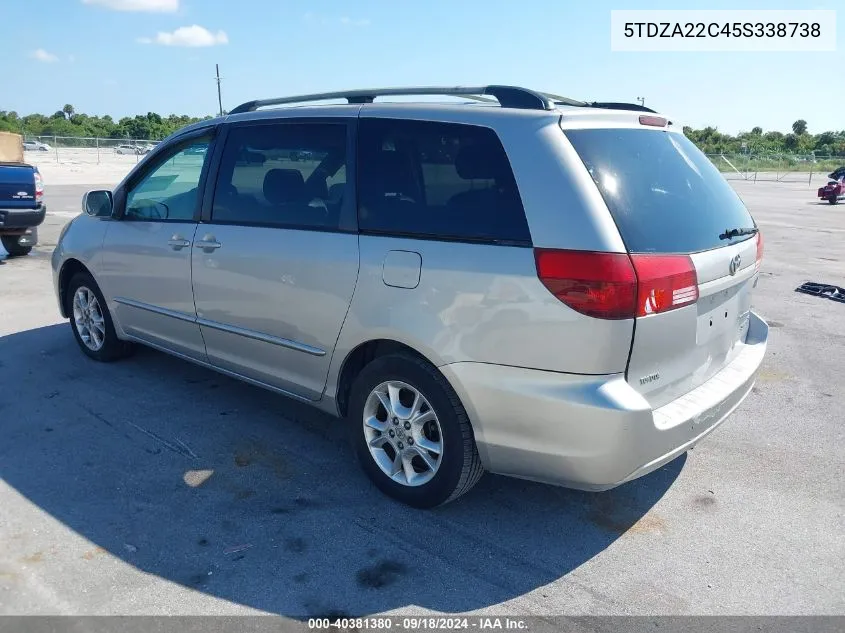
column 91, row 321
column 411, row 433
column 10, row 243
column 831, row 200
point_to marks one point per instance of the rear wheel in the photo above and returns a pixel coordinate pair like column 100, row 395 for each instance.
column 831, row 200
column 91, row 321
column 10, row 243
column 411, row 433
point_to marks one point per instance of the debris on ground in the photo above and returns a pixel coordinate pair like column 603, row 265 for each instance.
column 834, row 293
column 237, row 548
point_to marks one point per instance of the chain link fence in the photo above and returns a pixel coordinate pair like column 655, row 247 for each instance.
column 84, row 150
column 734, row 166
column 776, row 167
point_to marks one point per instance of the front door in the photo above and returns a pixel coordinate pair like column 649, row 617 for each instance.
column 146, row 255
column 276, row 259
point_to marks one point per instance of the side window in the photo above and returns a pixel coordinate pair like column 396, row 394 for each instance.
column 170, row 190
column 443, row 180
column 283, row 175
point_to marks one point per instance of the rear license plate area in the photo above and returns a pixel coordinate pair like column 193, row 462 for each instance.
column 723, row 316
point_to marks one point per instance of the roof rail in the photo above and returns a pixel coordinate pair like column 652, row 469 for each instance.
column 619, row 106
column 507, row 96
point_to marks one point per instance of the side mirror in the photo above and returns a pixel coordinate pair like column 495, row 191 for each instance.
column 98, row 203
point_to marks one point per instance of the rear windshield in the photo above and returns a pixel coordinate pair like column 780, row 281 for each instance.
column 663, row 193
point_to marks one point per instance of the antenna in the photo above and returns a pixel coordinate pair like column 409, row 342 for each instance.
column 641, row 100
column 219, row 98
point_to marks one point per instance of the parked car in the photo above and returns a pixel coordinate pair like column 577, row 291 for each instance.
column 22, row 207
column 834, row 190
column 127, row 149
column 563, row 296
column 198, row 149
column 36, row 146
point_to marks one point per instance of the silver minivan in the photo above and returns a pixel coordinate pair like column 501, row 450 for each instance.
column 515, row 282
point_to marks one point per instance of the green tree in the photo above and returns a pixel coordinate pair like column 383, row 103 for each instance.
column 799, row 127
column 790, row 141
column 757, row 131
column 68, row 110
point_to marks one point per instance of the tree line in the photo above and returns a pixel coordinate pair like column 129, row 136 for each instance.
column 69, row 122
column 152, row 126
column 798, row 141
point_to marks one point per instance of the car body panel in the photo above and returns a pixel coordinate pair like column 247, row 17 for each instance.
column 80, row 241
column 593, row 432
column 147, row 283
column 676, row 351
column 287, row 305
column 480, row 303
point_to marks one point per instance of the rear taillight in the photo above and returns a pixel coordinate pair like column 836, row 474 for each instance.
column 601, row 285
column 759, row 250
column 664, row 282
column 39, row 187
column 616, row 285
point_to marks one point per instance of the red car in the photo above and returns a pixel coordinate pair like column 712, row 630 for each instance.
column 835, row 189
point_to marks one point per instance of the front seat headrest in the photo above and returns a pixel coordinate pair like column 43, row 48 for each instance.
column 283, row 186
column 476, row 162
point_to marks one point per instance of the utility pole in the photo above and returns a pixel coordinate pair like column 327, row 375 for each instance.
column 641, row 100
column 219, row 98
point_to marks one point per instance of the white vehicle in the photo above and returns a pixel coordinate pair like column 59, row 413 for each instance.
column 36, row 146
column 127, row 149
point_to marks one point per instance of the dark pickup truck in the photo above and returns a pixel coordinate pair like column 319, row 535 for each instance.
column 22, row 207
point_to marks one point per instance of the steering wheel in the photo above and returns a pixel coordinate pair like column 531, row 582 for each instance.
column 149, row 209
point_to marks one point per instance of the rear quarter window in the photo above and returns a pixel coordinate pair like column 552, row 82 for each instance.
column 437, row 180
column 663, row 193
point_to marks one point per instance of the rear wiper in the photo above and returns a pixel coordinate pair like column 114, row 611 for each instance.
column 730, row 233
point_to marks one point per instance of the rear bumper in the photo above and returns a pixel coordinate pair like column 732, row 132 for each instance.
column 21, row 218
column 593, row 432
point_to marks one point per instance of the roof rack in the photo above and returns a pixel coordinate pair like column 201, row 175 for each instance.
column 507, row 96
column 620, row 106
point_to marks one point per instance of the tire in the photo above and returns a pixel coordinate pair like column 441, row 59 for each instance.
column 458, row 465
column 100, row 343
column 10, row 243
column 831, row 200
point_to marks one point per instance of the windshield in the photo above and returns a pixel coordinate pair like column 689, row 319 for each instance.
column 663, row 193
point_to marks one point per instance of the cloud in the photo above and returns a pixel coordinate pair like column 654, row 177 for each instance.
column 147, row 6
column 191, row 36
column 43, row 56
column 322, row 20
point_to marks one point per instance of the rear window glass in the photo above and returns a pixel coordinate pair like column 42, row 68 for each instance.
column 437, row 180
column 663, row 193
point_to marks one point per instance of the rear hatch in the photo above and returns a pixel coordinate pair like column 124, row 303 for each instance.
column 18, row 187
column 693, row 244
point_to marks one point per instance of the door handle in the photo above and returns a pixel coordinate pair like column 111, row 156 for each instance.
column 178, row 243
column 208, row 243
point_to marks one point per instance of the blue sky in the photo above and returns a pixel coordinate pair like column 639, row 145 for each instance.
column 105, row 59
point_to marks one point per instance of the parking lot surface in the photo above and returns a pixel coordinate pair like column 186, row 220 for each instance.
column 152, row 486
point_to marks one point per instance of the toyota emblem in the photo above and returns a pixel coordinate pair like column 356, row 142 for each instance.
column 734, row 265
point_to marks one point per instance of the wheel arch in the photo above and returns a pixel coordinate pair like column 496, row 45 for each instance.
column 69, row 268
column 361, row 356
